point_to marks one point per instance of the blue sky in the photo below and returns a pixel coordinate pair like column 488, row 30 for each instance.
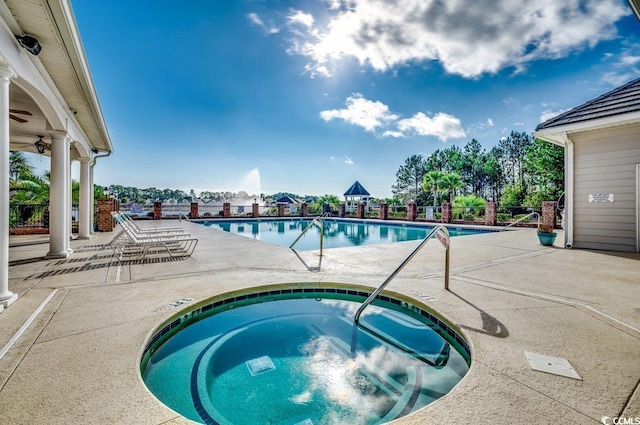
column 312, row 95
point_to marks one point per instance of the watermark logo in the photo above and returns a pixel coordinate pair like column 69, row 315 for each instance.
column 620, row 420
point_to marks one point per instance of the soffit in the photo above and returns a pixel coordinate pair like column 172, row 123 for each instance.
column 62, row 55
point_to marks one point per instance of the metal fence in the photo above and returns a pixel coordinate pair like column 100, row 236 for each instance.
column 35, row 216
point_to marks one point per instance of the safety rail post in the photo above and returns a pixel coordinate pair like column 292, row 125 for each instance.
column 442, row 234
column 317, row 221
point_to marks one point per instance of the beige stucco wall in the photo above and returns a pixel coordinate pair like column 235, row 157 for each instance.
column 605, row 163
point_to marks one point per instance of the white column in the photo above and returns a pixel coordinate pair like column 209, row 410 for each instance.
column 58, row 215
column 84, row 218
column 69, row 202
column 6, row 297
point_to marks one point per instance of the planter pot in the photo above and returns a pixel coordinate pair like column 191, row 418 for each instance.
column 547, row 239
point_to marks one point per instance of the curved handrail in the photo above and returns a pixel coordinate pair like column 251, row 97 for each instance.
column 442, row 234
column 318, row 221
column 521, row 219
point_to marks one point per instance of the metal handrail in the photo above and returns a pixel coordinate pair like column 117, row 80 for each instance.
column 521, row 219
column 318, row 221
column 442, row 234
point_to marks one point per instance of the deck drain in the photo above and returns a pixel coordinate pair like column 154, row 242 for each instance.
column 553, row 365
column 260, row 365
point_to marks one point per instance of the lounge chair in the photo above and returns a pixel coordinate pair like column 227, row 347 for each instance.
column 124, row 218
column 128, row 242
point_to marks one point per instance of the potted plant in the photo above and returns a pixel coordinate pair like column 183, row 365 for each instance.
column 546, row 235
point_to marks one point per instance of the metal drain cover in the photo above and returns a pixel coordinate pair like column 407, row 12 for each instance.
column 260, row 365
column 554, row 365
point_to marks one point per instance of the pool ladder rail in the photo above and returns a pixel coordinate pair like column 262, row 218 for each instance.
column 442, row 234
column 317, row 221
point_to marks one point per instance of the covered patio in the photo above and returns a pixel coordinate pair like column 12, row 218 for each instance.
column 49, row 107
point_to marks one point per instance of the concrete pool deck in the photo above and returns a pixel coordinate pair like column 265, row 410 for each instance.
column 78, row 360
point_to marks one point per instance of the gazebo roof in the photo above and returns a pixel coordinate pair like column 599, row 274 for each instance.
column 286, row 200
column 356, row 189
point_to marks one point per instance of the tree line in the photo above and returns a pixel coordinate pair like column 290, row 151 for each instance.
column 518, row 171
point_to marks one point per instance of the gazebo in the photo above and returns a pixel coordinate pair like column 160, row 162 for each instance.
column 355, row 195
column 48, row 106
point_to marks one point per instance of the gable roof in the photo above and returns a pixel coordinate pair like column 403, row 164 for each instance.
column 356, row 189
column 622, row 100
column 286, row 200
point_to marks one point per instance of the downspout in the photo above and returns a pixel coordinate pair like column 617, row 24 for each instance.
column 568, row 179
column 91, row 165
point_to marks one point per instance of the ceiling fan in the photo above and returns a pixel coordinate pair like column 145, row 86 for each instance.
column 20, row 112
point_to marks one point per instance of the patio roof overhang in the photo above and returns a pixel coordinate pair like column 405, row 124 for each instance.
column 635, row 6
column 55, row 86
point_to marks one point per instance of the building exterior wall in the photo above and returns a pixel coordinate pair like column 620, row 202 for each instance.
column 605, row 171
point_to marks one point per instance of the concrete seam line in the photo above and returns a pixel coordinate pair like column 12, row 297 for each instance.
column 545, row 298
column 26, row 324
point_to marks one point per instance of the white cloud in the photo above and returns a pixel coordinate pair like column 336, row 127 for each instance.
column 443, row 126
column 548, row 114
column 268, row 29
column 301, row 18
column 468, row 39
column 375, row 115
column 362, row 112
column 347, row 160
column 490, row 122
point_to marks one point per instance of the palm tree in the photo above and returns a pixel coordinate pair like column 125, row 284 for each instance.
column 432, row 182
column 19, row 165
column 451, row 182
column 30, row 189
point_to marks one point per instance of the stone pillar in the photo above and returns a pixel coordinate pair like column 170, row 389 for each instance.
column 6, row 296
column 305, row 210
column 549, row 211
column 384, row 211
column 105, row 219
column 255, row 210
column 446, row 212
column 491, row 213
column 280, row 210
column 84, row 207
column 226, row 210
column 342, row 210
column 360, row 210
column 412, row 211
column 193, row 213
column 59, row 212
column 157, row 210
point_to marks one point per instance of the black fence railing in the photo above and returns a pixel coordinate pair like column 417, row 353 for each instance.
column 35, row 216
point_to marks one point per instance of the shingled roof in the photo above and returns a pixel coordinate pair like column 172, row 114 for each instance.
column 622, row 100
column 356, row 189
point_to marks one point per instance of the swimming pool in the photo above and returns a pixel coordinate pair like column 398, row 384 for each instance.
column 337, row 233
column 292, row 355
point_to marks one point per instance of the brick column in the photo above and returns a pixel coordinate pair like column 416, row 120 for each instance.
column 549, row 211
column 105, row 219
column 280, row 210
column 446, row 212
column 157, row 210
column 226, row 210
column 360, row 210
column 194, row 210
column 305, row 210
column 412, row 211
column 255, row 210
column 384, row 211
column 490, row 213
column 342, row 211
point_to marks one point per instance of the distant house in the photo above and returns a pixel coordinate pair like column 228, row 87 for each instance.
column 355, row 195
column 287, row 200
column 601, row 139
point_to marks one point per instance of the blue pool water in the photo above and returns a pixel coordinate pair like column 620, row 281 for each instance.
column 337, row 234
column 297, row 358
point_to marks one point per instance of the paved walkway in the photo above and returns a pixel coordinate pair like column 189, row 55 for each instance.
column 89, row 317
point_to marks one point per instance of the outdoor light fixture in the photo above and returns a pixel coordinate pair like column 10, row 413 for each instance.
column 40, row 145
column 31, row 44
